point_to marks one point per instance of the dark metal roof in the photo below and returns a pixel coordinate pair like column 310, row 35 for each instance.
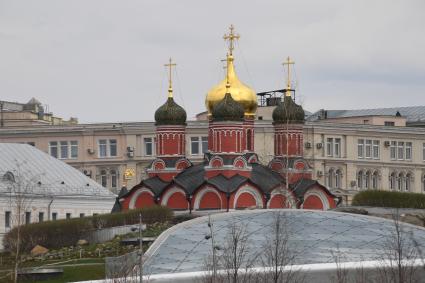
column 265, row 178
column 191, row 178
column 301, row 187
column 155, row 184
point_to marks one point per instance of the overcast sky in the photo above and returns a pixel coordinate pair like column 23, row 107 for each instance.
column 103, row 61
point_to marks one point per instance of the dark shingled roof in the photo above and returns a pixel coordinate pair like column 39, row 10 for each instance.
column 301, row 187
column 191, row 178
column 228, row 110
column 265, row 178
column 170, row 113
column 227, row 185
column 288, row 111
column 155, row 184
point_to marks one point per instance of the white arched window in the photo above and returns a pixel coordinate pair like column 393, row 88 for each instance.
column 360, row 179
column 331, row 174
column 367, row 180
column 114, row 178
column 338, row 177
column 400, row 181
column 407, row 182
column 103, row 178
column 392, row 180
column 375, row 176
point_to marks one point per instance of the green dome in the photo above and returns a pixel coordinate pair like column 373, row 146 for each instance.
column 170, row 113
column 288, row 112
column 228, row 110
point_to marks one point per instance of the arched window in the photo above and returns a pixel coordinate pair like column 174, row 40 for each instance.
column 375, row 176
column 407, row 182
column 367, row 180
column 392, row 180
column 9, row 177
column 360, row 179
column 114, row 178
column 338, row 177
column 400, row 182
column 248, row 140
column 103, row 178
column 331, row 176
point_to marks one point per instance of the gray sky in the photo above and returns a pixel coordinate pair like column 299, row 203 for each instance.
column 103, row 60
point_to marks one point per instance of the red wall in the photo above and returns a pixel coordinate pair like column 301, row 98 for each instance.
column 177, row 201
column 245, row 200
column 278, row 201
column 313, row 202
column 145, row 199
column 210, row 200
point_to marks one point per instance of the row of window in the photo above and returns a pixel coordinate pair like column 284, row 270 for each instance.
column 109, row 177
column 8, row 217
column 64, row 149
column 198, row 145
column 400, row 150
column 368, row 148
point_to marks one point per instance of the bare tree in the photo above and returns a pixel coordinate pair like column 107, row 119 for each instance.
column 399, row 254
column 20, row 190
column 341, row 273
column 277, row 254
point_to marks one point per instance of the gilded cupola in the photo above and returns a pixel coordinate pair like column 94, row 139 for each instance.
column 240, row 92
column 170, row 113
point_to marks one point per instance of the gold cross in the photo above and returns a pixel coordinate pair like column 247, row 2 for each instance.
column 170, row 85
column 231, row 37
column 288, row 62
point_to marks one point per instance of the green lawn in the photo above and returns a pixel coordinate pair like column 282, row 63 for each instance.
column 80, row 273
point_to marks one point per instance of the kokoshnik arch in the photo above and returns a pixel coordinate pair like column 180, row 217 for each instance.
column 231, row 176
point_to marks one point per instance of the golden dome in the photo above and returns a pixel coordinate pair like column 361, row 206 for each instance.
column 240, row 92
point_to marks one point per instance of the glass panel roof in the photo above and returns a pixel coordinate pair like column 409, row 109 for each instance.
column 313, row 236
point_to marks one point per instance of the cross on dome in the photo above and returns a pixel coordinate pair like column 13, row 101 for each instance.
column 170, row 65
column 231, row 37
column 288, row 63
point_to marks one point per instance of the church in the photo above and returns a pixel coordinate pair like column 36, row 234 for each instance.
column 231, row 175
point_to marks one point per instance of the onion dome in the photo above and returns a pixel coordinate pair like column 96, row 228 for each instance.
column 241, row 93
column 228, row 110
column 170, row 113
column 288, row 112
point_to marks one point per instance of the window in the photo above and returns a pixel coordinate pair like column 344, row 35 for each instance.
column 329, row 146
column 400, row 151
column 368, row 149
column 400, row 182
column 375, row 180
column 64, row 149
column 82, row 215
column 360, row 178
column 389, row 123
column 113, row 178
column 194, row 145
column 408, row 154
column 107, row 148
column 392, row 181
column 333, row 147
column 367, row 180
column 27, row 217
column 74, row 149
column 337, row 147
column 148, row 146
column 204, row 144
column 40, row 216
column 331, row 176
column 423, row 151
column 375, row 149
column 360, row 148
column 338, row 176
column 7, row 217
column 103, row 178
column 407, row 182
column 393, row 150
column 53, row 148
column 68, row 216
column 54, row 215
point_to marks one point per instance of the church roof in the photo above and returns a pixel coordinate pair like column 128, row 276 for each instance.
column 46, row 175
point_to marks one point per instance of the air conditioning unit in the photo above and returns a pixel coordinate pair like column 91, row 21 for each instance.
column 308, row 145
column 319, row 145
column 90, row 151
column 387, row 143
column 130, row 151
column 87, row 172
column 319, row 173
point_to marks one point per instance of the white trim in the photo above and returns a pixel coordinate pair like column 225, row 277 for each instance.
column 280, row 191
column 250, row 190
column 133, row 200
column 200, row 195
column 169, row 193
column 318, row 193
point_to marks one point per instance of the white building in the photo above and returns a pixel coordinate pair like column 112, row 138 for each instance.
column 44, row 188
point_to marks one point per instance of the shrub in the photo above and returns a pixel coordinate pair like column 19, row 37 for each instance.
column 389, row 199
column 61, row 233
